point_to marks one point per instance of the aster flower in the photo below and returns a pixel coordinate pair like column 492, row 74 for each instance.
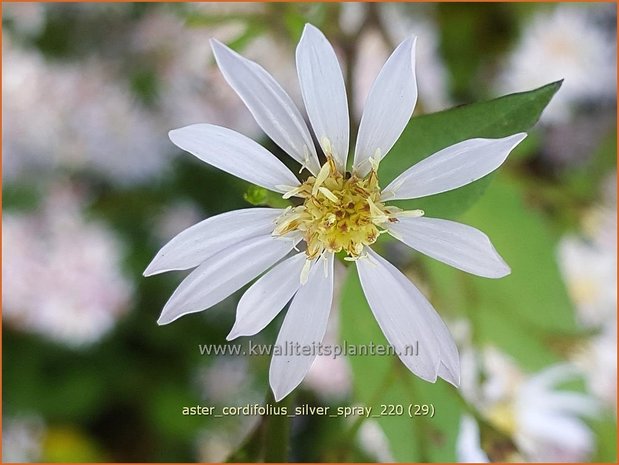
column 545, row 52
column 546, row 422
column 338, row 211
column 84, row 122
column 46, row 291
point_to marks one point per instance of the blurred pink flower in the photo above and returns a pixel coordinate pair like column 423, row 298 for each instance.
column 62, row 276
column 59, row 118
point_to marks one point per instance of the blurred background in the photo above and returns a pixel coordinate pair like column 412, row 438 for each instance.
column 92, row 188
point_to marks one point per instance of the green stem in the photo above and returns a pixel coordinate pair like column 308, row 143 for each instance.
column 277, row 432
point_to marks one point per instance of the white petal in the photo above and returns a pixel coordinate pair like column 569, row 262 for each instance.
column 456, row 244
column 452, row 167
column 324, row 93
column 555, row 432
column 468, row 443
column 388, row 108
column 222, row 274
column 305, row 324
column 267, row 296
column 197, row 243
column 270, row 105
column 235, row 154
column 405, row 317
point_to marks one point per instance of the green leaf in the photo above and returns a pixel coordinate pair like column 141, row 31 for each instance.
column 427, row 134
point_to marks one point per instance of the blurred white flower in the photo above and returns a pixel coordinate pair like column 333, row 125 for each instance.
column 62, row 275
column 564, row 43
column 340, row 213
column 546, row 422
column 191, row 87
column 22, row 439
column 374, row 442
column 74, row 117
column 590, row 272
column 589, row 265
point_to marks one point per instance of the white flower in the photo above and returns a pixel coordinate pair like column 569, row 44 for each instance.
column 54, row 261
column 22, row 439
column 590, row 272
column 546, row 422
column 565, row 43
column 69, row 117
column 340, row 211
column 374, row 442
column 588, row 262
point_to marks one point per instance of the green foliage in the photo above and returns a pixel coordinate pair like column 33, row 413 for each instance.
column 428, row 134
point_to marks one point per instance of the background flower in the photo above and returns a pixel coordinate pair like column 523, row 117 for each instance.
column 545, row 51
column 63, row 277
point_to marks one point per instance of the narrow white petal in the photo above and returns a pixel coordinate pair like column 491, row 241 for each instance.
column 388, row 108
column 324, row 93
column 553, row 429
column 202, row 240
column 235, row 154
column 456, row 244
column 267, row 296
column 468, row 443
column 222, row 274
column 570, row 403
column 452, row 167
column 554, row 376
column 270, row 105
column 304, row 326
column 405, row 317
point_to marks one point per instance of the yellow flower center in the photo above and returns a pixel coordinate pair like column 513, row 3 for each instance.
column 503, row 417
column 339, row 212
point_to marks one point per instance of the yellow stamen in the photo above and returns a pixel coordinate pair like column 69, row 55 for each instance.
column 339, row 213
column 328, row 194
column 323, row 174
column 305, row 271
